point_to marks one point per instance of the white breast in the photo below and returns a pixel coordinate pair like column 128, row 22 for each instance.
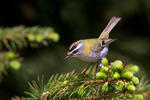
column 103, row 52
column 93, row 57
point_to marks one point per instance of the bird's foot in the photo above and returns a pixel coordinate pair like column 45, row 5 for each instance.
column 101, row 65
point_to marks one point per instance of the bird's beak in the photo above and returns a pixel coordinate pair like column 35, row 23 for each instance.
column 68, row 56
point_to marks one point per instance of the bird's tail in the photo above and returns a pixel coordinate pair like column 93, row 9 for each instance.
column 113, row 21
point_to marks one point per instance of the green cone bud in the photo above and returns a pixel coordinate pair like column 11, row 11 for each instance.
column 66, row 82
column 117, row 65
column 39, row 38
column 121, row 96
column 139, row 97
column 135, row 80
column 50, row 29
column 131, row 87
column 54, row 37
column 118, row 62
column 129, row 96
column 105, row 87
column 15, row 64
column 133, row 68
column 116, row 75
column 127, row 84
column 105, row 62
column 11, row 55
column 104, row 69
column 31, row 37
column 101, row 75
column 119, row 86
column 127, row 75
column 80, row 90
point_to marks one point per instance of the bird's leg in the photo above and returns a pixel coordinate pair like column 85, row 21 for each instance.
column 100, row 62
column 100, row 65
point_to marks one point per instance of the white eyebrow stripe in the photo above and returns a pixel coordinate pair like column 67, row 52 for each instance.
column 78, row 46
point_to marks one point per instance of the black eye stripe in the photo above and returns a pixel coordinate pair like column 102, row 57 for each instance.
column 75, row 51
column 73, row 47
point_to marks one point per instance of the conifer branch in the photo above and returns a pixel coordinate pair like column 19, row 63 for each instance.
column 16, row 38
column 20, row 37
column 112, row 82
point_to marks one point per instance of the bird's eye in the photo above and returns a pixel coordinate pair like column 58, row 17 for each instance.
column 75, row 51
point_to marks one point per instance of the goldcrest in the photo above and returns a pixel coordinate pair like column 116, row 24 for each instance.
column 95, row 49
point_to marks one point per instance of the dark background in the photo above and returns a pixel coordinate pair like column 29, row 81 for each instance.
column 74, row 20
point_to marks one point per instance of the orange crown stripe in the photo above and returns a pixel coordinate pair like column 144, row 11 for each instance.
column 74, row 44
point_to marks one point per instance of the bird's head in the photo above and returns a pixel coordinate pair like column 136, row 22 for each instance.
column 75, row 49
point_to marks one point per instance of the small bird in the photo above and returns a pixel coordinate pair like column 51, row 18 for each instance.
column 95, row 49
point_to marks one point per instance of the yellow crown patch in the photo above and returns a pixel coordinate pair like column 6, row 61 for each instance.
column 75, row 43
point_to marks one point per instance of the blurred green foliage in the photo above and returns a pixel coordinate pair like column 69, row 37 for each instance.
column 15, row 39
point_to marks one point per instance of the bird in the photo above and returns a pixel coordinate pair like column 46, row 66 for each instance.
column 93, row 49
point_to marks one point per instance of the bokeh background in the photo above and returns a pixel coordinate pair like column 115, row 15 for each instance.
column 74, row 20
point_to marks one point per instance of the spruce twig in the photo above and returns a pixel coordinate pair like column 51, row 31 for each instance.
column 112, row 82
column 13, row 39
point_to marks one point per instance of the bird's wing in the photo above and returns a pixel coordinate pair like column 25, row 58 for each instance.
column 103, row 43
column 113, row 21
